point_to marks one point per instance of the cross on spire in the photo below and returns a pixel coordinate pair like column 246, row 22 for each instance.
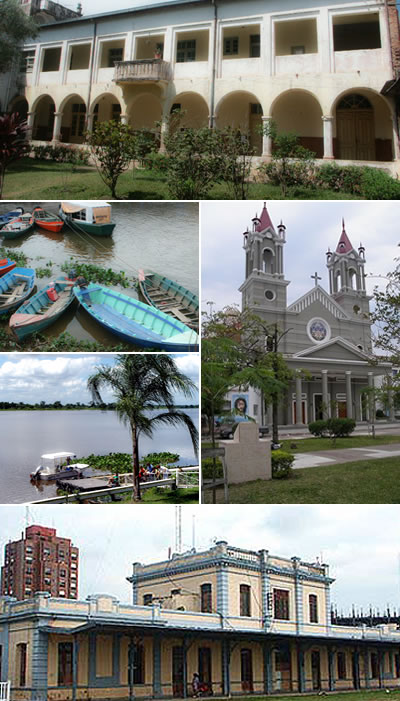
column 315, row 277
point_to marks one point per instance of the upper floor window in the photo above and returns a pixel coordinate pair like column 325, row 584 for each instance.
column 281, row 604
column 356, row 32
column 51, row 62
column 147, row 599
column 231, row 46
column 254, row 46
column 313, row 607
column 206, row 598
column 116, row 54
column 245, row 600
column 186, row 51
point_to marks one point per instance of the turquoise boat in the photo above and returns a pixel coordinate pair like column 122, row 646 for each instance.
column 134, row 321
column 88, row 217
column 18, row 227
column 43, row 309
column 170, row 297
column 15, row 288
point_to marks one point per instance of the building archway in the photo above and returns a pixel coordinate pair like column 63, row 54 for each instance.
column 195, row 108
column 242, row 111
column 20, row 105
column 73, row 121
column 43, row 122
column 105, row 108
column 300, row 112
column 364, row 128
column 145, row 111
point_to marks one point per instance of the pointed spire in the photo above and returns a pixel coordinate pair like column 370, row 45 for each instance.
column 344, row 245
column 265, row 220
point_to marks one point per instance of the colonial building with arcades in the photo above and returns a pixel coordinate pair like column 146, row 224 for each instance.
column 326, row 69
column 248, row 622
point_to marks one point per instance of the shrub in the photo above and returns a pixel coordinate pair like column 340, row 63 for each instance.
column 61, row 154
column 318, row 428
column 156, row 161
column 207, row 468
column 298, row 173
column 380, row 414
column 281, row 462
column 376, row 184
column 340, row 178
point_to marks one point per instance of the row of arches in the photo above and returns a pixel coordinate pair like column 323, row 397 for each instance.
column 359, row 125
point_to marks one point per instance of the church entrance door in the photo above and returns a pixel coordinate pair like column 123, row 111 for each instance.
column 303, row 411
column 355, row 129
column 342, row 410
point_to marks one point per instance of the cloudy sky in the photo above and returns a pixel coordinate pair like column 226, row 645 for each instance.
column 310, row 228
column 360, row 543
column 61, row 376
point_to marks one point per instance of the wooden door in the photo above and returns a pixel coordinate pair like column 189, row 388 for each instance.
column 356, row 134
column 177, row 671
column 246, row 670
column 315, row 670
column 342, row 410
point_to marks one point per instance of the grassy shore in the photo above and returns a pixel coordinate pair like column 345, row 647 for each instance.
column 45, row 180
column 310, row 445
column 362, row 482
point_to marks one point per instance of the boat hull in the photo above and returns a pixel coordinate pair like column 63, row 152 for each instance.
column 170, row 297
column 49, row 222
column 12, row 233
column 29, row 318
column 135, row 322
column 52, row 477
column 19, row 277
column 7, row 267
column 8, row 216
column 87, row 228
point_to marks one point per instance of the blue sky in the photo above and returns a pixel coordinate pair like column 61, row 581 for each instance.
column 310, row 228
column 363, row 559
column 33, row 377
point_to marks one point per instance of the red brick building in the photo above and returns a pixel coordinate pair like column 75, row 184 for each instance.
column 40, row 561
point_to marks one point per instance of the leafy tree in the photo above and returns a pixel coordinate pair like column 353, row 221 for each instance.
column 386, row 316
column 16, row 27
column 13, row 142
column 141, row 383
column 112, row 145
column 286, row 150
column 237, row 156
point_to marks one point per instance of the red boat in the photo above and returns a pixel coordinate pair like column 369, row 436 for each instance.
column 47, row 220
column 6, row 265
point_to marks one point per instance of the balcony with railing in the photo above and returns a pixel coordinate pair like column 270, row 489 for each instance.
column 149, row 70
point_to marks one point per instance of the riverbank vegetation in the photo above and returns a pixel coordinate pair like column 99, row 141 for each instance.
column 58, row 406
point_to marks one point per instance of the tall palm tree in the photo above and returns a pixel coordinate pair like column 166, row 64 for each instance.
column 141, row 384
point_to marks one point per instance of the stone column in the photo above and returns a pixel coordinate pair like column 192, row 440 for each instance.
column 163, row 131
column 331, row 669
column 124, row 119
column 89, row 121
column 299, row 403
column 328, row 137
column 349, row 398
column 267, row 141
column 57, row 126
column 30, row 118
column 325, row 396
column 371, row 399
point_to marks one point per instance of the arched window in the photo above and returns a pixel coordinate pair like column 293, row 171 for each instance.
column 354, row 102
column 268, row 265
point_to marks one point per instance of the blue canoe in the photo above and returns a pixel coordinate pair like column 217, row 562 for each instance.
column 134, row 321
column 5, row 218
column 15, row 288
column 41, row 310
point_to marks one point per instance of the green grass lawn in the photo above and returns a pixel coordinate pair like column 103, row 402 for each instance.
column 309, row 445
column 367, row 695
column 157, row 495
column 363, row 482
column 45, row 180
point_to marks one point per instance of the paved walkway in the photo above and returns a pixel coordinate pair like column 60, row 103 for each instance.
column 334, row 457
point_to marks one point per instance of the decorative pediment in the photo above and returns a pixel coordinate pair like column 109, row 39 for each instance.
column 337, row 348
column 318, row 294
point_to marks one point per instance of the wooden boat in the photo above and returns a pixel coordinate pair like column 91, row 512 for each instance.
column 6, row 264
column 134, row 321
column 15, row 288
column 5, row 218
column 169, row 297
column 43, row 308
column 47, row 220
column 88, row 217
column 18, row 226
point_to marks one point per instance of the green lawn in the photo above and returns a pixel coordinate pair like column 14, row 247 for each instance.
column 363, row 482
column 158, row 495
column 45, row 180
column 309, row 445
column 354, row 695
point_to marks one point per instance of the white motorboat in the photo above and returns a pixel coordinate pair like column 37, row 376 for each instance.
column 54, row 466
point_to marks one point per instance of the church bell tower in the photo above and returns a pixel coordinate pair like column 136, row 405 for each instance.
column 347, row 276
column 265, row 286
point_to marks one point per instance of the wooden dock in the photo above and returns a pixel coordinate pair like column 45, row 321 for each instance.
column 83, row 484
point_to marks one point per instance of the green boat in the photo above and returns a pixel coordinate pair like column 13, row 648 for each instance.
column 18, row 227
column 170, row 297
column 88, row 217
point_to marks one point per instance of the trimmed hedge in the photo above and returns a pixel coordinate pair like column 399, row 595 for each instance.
column 61, row 154
column 281, row 463
column 336, row 428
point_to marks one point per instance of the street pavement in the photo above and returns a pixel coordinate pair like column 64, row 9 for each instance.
column 335, row 457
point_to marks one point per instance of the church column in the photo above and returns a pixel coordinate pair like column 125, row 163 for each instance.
column 325, row 397
column 267, row 141
column 299, row 403
column 57, row 126
column 349, row 398
column 371, row 398
column 328, row 137
column 89, row 123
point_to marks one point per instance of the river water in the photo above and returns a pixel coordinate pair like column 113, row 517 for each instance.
column 163, row 237
column 26, row 435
